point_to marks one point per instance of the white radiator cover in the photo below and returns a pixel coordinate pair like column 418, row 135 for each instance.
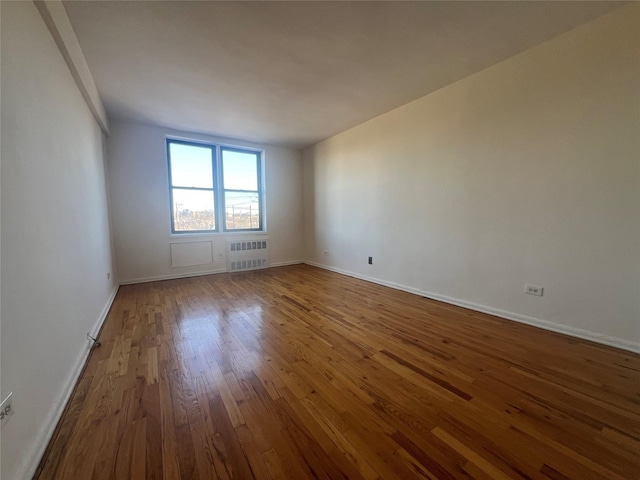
column 247, row 255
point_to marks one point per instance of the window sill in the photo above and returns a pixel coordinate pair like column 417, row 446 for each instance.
column 218, row 234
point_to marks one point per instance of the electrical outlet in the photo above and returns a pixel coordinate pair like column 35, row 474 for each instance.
column 533, row 290
column 370, row 260
column 6, row 408
column 108, row 275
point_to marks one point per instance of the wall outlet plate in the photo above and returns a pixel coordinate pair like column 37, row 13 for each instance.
column 6, row 408
column 533, row 290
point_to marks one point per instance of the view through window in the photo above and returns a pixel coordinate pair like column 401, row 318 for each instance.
column 208, row 195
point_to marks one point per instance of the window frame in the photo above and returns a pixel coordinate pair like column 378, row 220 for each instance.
column 225, row 190
column 218, row 190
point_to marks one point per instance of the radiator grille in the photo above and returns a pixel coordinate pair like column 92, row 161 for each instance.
column 247, row 255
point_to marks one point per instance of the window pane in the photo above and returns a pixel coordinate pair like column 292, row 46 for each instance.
column 242, row 210
column 190, row 166
column 240, row 170
column 193, row 210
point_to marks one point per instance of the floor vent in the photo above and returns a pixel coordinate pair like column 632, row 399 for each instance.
column 247, row 255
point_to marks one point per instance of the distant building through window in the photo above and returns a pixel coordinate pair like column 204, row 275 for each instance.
column 214, row 188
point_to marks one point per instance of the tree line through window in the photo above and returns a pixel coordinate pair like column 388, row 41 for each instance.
column 214, row 188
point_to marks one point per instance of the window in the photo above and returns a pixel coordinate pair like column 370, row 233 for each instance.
column 208, row 195
column 241, row 180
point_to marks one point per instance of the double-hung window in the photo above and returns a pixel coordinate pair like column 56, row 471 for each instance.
column 214, row 188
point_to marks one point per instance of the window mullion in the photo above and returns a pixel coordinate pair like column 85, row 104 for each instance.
column 218, row 182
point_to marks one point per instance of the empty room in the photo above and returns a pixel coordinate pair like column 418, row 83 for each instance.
column 319, row 240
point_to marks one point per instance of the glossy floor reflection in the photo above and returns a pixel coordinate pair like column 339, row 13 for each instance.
column 296, row 373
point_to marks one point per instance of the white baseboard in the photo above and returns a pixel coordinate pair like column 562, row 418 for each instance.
column 173, row 276
column 516, row 317
column 46, row 432
column 284, row 264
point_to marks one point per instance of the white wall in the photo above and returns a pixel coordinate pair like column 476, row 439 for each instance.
column 139, row 190
column 527, row 172
column 55, row 234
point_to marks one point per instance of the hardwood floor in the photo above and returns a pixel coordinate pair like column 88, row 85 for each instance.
column 296, row 373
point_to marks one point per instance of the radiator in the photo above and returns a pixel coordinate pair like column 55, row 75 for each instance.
column 247, row 255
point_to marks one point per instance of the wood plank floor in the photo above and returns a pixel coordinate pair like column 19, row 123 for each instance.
column 296, row 373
